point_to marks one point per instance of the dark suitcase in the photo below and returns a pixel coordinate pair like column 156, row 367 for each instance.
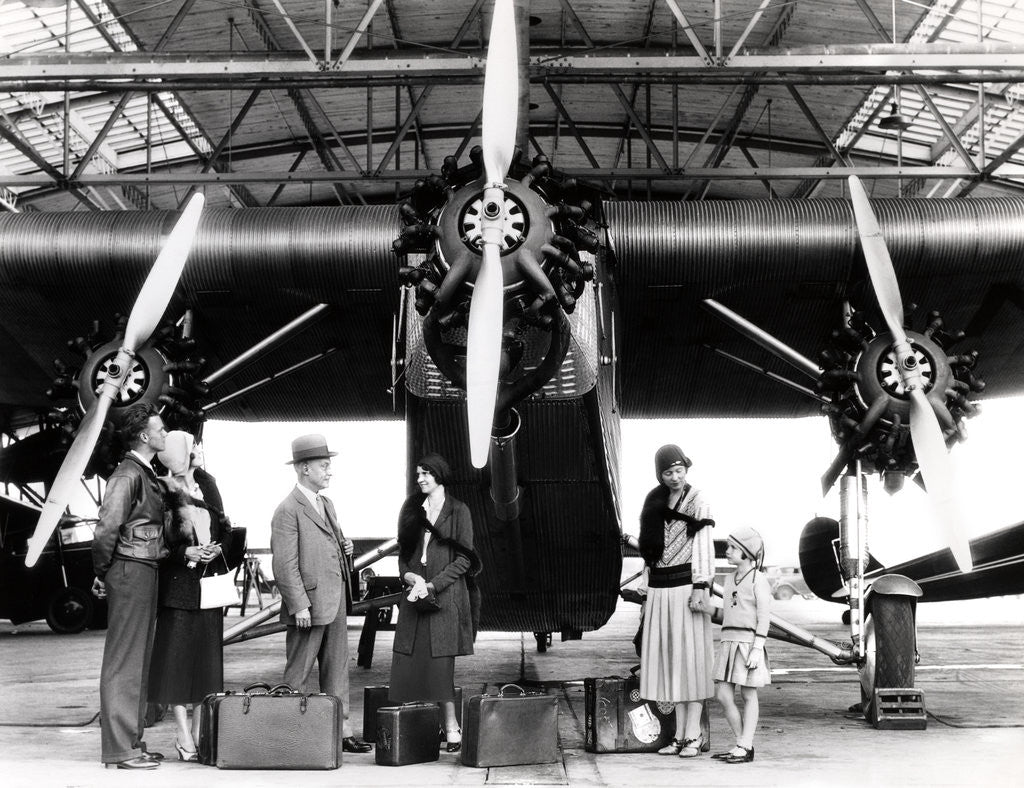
column 407, row 734
column 510, row 729
column 377, row 696
column 266, row 727
column 619, row 720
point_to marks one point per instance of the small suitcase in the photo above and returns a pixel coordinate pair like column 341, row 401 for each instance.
column 407, row 734
column 510, row 730
column 266, row 727
column 376, row 697
column 619, row 720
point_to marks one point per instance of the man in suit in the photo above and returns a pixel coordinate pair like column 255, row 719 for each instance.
column 126, row 549
column 311, row 568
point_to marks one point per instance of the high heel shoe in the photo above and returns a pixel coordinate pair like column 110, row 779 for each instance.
column 693, row 747
column 453, row 738
column 747, row 757
column 191, row 756
column 672, row 748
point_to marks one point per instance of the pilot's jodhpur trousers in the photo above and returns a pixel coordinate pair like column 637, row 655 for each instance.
column 124, row 677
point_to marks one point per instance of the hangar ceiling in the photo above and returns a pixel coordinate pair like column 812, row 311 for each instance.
column 128, row 105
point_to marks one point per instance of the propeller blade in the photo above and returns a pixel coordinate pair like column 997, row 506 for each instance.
column 500, row 117
column 933, row 458
column 67, row 478
column 483, row 353
column 149, row 307
column 163, row 277
column 876, row 254
column 501, row 94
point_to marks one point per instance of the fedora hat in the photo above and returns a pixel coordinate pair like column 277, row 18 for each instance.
column 310, row 447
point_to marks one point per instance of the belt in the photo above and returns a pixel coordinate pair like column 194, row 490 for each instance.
column 670, row 576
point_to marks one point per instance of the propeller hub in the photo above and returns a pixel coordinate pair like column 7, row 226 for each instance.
column 143, row 379
column 514, row 217
column 882, row 369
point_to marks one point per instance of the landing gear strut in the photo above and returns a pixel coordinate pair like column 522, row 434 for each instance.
column 881, row 619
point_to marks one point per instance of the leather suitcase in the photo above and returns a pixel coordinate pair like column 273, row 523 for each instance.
column 407, row 734
column 266, row 727
column 510, row 729
column 377, row 696
column 619, row 720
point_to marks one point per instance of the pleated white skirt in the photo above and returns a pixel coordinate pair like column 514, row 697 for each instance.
column 677, row 652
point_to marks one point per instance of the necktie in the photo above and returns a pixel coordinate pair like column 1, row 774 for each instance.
column 320, row 508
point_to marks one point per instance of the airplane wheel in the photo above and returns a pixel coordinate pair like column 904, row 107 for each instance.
column 543, row 640
column 889, row 646
column 68, row 611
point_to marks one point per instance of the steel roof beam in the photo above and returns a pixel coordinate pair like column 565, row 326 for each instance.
column 651, row 173
column 624, row 101
column 413, row 117
column 605, row 65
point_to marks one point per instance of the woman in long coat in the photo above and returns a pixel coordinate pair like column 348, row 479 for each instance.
column 676, row 658
column 435, row 537
column 188, row 661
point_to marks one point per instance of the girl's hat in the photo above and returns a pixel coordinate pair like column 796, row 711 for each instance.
column 750, row 542
column 667, row 456
column 176, row 456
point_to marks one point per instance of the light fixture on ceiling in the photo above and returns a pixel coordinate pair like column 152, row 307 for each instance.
column 895, row 120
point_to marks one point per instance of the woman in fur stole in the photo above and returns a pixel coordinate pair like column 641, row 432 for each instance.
column 188, row 659
column 677, row 657
column 435, row 559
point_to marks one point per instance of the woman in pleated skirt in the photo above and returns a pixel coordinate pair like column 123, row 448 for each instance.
column 677, row 656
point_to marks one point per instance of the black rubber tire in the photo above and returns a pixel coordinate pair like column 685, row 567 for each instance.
column 542, row 641
column 69, row 611
column 890, row 643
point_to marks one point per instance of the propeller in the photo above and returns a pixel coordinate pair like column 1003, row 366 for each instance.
column 149, row 307
column 925, row 432
column 500, row 118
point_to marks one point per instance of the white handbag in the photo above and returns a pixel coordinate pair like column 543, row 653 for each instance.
column 218, row 590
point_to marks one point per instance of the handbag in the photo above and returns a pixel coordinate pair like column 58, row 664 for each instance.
column 427, row 604
column 217, row 590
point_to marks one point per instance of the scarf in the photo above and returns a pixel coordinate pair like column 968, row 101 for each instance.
column 652, row 522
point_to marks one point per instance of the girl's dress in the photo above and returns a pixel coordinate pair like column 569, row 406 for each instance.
column 746, row 617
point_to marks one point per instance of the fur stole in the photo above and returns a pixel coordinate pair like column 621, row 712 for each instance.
column 652, row 522
column 178, row 530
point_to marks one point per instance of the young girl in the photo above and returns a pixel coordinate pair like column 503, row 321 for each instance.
column 741, row 656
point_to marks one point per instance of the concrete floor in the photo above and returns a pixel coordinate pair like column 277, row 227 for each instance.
column 971, row 673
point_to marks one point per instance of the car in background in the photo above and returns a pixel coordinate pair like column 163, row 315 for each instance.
column 787, row 582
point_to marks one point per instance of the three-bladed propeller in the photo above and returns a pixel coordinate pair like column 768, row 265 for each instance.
column 500, row 119
column 925, row 432
column 149, row 308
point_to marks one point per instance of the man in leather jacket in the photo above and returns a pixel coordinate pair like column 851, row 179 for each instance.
column 126, row 549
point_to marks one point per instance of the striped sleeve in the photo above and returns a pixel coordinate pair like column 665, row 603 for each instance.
column 702, row 562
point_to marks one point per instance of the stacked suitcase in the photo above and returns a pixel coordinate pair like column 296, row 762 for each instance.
column 266, row 727
column 376, row 697
column 407, row 734
column 619, row 720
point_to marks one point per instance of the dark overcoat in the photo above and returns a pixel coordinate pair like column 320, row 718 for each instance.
column 451, row 628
